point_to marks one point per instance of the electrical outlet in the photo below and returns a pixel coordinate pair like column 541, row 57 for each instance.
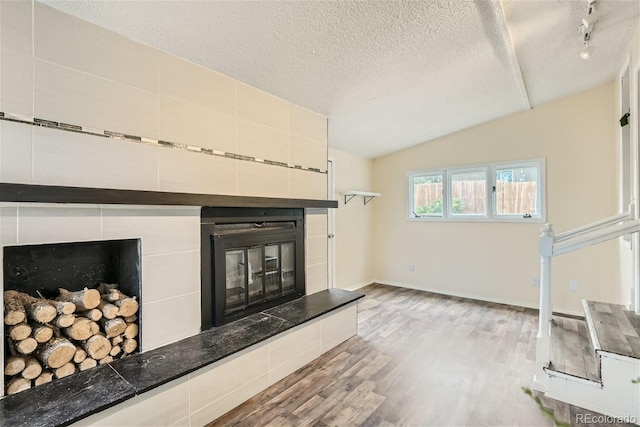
column 535, row 281
column 411, row 267
column 573, row 285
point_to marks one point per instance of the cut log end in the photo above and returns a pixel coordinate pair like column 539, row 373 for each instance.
column 32, row 370
column 85, row 299
column 79, row 356
column 113, row 327
column 65, row 370
column 97, row 347
column 64, row 320
column 26, row 346
column 15, row 317
column 57, row 353
column 129, row 345
column 19, row 332
column 109, row 311
column 131, row 331
column 127, row 307
column 18, row 384
column 88, row 363
column 42, row 312
column 14, row 365
column 105, row 360
column 80, row 330
column 42, row 333
column 14, row 311
column 93, row 314
column 45, row 377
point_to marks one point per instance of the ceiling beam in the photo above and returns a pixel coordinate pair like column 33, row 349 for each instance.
column 501, row 21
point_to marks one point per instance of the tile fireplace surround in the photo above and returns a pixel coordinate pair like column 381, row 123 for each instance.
column 182, row 376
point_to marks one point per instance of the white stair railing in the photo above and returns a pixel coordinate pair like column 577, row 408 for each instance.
column 551, row 245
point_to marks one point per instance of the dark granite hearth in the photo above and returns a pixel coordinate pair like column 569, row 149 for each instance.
column 70, row 399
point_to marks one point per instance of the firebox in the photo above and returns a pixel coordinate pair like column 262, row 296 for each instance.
column 252, row 259
column 69, row 306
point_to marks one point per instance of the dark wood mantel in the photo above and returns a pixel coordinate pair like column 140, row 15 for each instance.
column 57, row 194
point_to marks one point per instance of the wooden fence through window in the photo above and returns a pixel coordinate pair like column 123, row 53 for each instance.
column 511, row 197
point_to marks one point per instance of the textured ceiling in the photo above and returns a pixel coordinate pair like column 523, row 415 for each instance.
column 388, row 75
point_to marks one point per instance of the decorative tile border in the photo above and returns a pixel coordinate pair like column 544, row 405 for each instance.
column 34, row 121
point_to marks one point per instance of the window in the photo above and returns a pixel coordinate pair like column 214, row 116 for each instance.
column 468, row 193
column 489, row 192
column 426, row 189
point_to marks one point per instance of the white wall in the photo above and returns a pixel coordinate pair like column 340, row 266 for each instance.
column 355, row 231
column 497, row 261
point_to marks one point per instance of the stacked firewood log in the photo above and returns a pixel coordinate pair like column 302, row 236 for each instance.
column 48, row 339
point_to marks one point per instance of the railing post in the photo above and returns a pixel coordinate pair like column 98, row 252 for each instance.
column 543, row 340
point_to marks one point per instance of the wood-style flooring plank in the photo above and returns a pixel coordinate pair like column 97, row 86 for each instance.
column 419, row 359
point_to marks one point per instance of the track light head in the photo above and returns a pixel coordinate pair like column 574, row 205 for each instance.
column 587, row 52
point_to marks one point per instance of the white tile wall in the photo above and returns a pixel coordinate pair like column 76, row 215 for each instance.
column 260, row 107
column 229, row 374
column 308, row 124
column 15, row 153
column 255, row 179
column 172, row 275
column 295, row 348
column 214, row 390
column 169, row 320
column 308, row 152
column 337, row 328
column 60, row 68
column 70, row 96
column 16, row 25
column 112, row 83
column 316, row 223
column 193, row 124
column 182, row 171
column 308, row 185
column 93, row 50
column 317, row 278
column 226, row 403
column 17, row 82
column 8, row 226
column 163, row 231
column 72, row 159
column 316, row 250
column 58, row 224
column 163, row 406
column 184, row 81
column 262, row 141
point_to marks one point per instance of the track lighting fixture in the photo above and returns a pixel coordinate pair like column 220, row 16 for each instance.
column 586, row 29
column 586, row 52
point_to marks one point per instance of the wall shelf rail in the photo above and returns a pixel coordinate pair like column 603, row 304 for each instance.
column 367, row 196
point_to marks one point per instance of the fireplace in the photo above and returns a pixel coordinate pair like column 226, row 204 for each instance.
column 252, row 259
column 69, row 307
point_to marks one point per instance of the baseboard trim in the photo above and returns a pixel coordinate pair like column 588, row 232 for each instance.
column 356, row 286
column 477, row 297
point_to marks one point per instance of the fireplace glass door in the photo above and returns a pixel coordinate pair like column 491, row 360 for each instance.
column 252, row 260
column 258, row 273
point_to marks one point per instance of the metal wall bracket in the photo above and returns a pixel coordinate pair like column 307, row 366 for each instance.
column 367, row 196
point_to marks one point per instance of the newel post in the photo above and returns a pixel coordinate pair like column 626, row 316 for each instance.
column 543, row 340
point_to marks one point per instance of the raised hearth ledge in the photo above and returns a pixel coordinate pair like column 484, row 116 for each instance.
column 28, row 193
column 73, row 398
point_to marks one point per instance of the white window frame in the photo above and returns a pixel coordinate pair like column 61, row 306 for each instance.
column 491, row 207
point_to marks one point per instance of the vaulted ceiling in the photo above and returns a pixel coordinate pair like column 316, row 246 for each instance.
column 388, row 74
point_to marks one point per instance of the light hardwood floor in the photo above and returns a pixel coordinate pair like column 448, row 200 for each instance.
column 419, row 359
